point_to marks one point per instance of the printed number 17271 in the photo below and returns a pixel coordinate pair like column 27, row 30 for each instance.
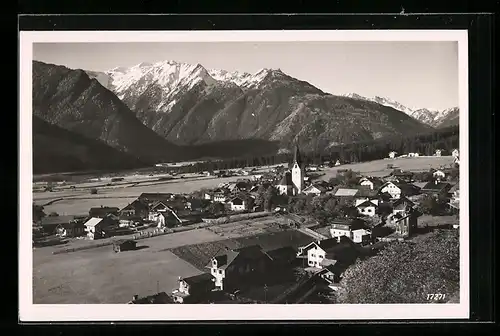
column 436, row 297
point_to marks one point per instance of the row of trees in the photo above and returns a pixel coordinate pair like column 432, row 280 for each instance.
column 445, row 139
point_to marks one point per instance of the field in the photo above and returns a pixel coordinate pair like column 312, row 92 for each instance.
column 102, row 276
column 76, row 202
column 379, row 167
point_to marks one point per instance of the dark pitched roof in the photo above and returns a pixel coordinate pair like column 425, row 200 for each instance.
column 402, row 203
column 102, row 211
column 200, row 278
column 326, row 244
column 366, row 204
column 224, row 260
column 282, row 253
column 436, row 186
column 56, row 220
column 135, row 205
column 286, row 180
column 347, row 224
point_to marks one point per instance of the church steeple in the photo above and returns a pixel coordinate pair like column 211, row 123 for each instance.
column 296, row 156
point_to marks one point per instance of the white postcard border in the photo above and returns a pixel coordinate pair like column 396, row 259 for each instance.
column 29, row 312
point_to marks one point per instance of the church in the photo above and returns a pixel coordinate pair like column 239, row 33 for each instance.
column 292, row 182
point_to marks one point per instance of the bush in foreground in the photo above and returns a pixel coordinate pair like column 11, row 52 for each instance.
column 406, row 272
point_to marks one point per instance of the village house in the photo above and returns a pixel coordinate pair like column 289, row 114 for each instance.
column 74, row 228
column 402, row 176
column 193, row 289
column 402, row 205
column 438, row 152
column 96, row 227
column 438, row 175
column 151, row 198
column 51, row 223
column 406, row 223
column 240, row 202
column 285, row 186
column 396, row 189
column 326, row 252
column 392, row 155
column 370, row 182
column 220, row 195
column 355, row 230
column 436, row 188
column 127, row 220
column 314, row 189
column 135, row 209
column 413, row 155
column 238, row 265
column 101, row 212
column 367, row 208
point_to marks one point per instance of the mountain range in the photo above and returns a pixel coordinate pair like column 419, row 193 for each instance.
column 432, row 117
column 170, row 111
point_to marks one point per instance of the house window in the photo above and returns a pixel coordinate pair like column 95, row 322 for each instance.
column 312, row 255
column 220, row 271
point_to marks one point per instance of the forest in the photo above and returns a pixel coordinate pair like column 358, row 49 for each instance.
column 445, row 139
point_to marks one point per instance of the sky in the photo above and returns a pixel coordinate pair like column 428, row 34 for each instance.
column 416, row 74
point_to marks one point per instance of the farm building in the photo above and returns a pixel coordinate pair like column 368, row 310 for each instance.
column 322, row 253
column 436, row 188
column 285, row 186
column 73, row 228
column 240, row 202
column 95, row 227
column 193, row 289
column 124, row 245
column 396, row 190
column 51, row 223
column 392, row 155
column 314, row 189
column 438, row 174
column 355, row 229
column 101, row 212
column 137, row 208
column 367, row 208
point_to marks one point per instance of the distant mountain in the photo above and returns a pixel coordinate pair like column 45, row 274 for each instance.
column 188, row 104
column 431, row 117
column 58, row 150
column 73, row 101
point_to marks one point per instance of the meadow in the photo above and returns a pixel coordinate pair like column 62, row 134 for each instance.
column 379, row 167
column 101, row 276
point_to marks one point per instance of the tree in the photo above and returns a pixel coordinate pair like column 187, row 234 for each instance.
column 216, row 208
column 405, row 272
column 270, row 198
column 431, row 205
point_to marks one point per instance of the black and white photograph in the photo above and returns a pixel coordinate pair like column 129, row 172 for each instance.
column 316, row 174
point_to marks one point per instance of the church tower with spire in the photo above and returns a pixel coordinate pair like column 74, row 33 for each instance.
column 298, row 171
